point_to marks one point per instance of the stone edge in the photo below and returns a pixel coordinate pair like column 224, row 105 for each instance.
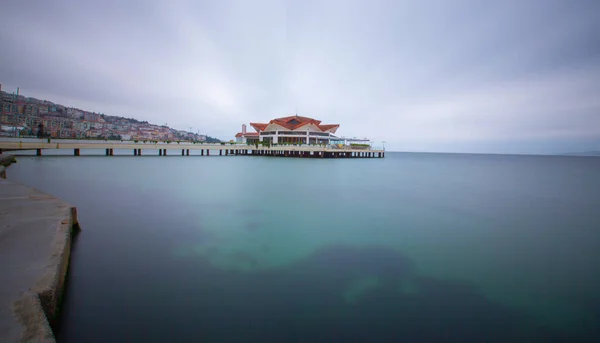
column 6, row 161
column 38, row 308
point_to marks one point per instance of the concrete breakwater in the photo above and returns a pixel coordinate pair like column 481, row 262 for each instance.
column 36, row 233
column 6, row 161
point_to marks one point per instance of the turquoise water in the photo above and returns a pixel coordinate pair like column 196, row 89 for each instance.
column 413, row 247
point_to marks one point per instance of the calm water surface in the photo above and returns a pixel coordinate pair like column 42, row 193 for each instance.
column 413, row 247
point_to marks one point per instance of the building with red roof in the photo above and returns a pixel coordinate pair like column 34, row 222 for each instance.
column 292, row 130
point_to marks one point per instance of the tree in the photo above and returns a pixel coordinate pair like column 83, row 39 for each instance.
column 40, row 133
column 212, row 140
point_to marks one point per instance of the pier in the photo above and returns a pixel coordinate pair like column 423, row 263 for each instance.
column 183, row 149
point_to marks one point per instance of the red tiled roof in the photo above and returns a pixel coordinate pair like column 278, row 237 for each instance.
column 247, row 134
column 297, row 119
column 295, row 122
column 329, row 127
column 259, row 126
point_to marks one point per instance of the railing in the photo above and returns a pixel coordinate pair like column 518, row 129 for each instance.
column 297, row 133
column 33, row 143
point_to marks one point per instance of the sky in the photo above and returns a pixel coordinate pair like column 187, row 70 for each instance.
column 436, row 76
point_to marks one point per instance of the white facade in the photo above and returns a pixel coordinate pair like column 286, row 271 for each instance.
column 306, row 135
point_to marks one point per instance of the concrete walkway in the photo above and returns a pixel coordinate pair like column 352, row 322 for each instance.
column 35, row 243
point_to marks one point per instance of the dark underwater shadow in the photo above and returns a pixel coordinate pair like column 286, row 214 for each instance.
column 305, row 302
column 339, row 293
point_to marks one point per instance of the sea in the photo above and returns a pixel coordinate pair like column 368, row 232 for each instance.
column 413, row 247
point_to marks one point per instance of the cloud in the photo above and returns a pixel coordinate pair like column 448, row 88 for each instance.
column 428, row 76
column 551, row 106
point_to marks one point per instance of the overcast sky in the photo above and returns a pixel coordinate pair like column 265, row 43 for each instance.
column 463, row 76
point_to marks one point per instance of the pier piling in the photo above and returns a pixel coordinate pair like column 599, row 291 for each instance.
column 293, row 151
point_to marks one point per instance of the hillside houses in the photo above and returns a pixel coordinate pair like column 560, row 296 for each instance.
column 23, row 117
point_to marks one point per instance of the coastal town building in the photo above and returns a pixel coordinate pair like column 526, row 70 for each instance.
column 296, row 130
column 289, row 130
column 22, row 116
column 246, row 137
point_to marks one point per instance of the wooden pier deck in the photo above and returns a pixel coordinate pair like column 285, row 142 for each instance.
column 183, row 149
